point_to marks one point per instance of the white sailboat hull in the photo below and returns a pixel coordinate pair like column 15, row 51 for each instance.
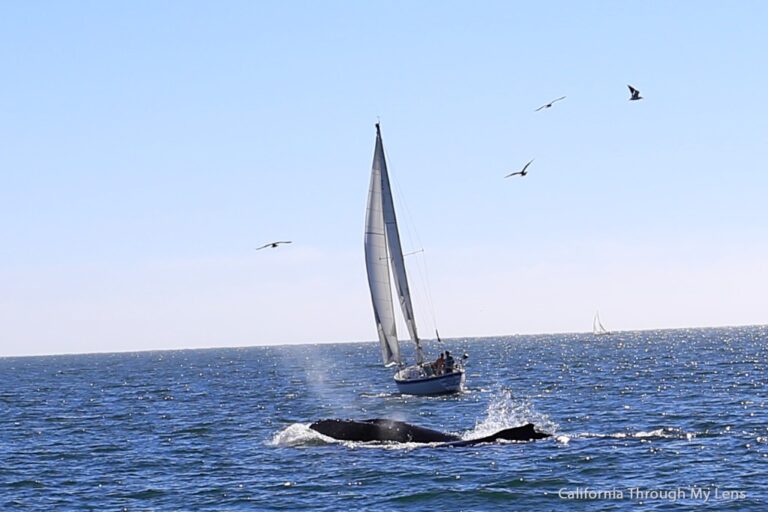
column 408, row 384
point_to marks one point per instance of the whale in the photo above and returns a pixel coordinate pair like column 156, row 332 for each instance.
column 386, row 430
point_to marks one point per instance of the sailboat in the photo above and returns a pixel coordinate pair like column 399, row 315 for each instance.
column 384, row 263
column 598, row 329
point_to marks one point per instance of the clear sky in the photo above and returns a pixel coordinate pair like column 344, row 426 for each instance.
column 146, row 149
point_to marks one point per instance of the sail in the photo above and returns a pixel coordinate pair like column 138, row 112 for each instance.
column 395, row 249
column 597, row 325
column 377, row 264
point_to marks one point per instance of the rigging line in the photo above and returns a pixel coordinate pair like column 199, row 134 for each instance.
column 421, row 265
column 429, row 295
column 412, row 232
column 406, row 254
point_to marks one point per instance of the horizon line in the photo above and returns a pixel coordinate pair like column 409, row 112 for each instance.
column 301, row 344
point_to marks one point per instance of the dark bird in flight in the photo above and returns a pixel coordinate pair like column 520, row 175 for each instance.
column 273, row 244
column 521, row 173
column 635, row 94
column 548, row 105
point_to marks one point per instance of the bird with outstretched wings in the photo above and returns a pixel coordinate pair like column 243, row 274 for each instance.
column 273, row 245
column 549, row 105
column 521, row 172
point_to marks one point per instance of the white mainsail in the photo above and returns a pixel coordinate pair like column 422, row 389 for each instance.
column 376, row 263
column 382, row 244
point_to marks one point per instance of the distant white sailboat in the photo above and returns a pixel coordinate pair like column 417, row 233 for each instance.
column 598, row 329
column 384, row 254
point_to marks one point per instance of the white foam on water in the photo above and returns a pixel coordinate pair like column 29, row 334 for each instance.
column 386, row 445
column 659, row 433
column 505, row 412
column 299, row 434
column 377, row 395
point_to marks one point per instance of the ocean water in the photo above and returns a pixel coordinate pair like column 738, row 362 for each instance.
column 652, row 420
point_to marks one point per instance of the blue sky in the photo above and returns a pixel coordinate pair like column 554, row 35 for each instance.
column 149, row 147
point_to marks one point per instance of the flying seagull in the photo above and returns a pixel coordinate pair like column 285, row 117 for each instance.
column 521, row 173
column 273, row 244
column 635, row 94
column 549, row 104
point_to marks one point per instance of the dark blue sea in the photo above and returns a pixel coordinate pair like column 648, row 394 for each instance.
column 651, row 420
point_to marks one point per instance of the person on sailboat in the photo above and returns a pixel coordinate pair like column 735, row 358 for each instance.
column 439, row 364
column 449, row 362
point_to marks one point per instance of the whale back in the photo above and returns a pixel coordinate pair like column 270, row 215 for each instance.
column 378, row 429
column 385, row 430
column 525, row 432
